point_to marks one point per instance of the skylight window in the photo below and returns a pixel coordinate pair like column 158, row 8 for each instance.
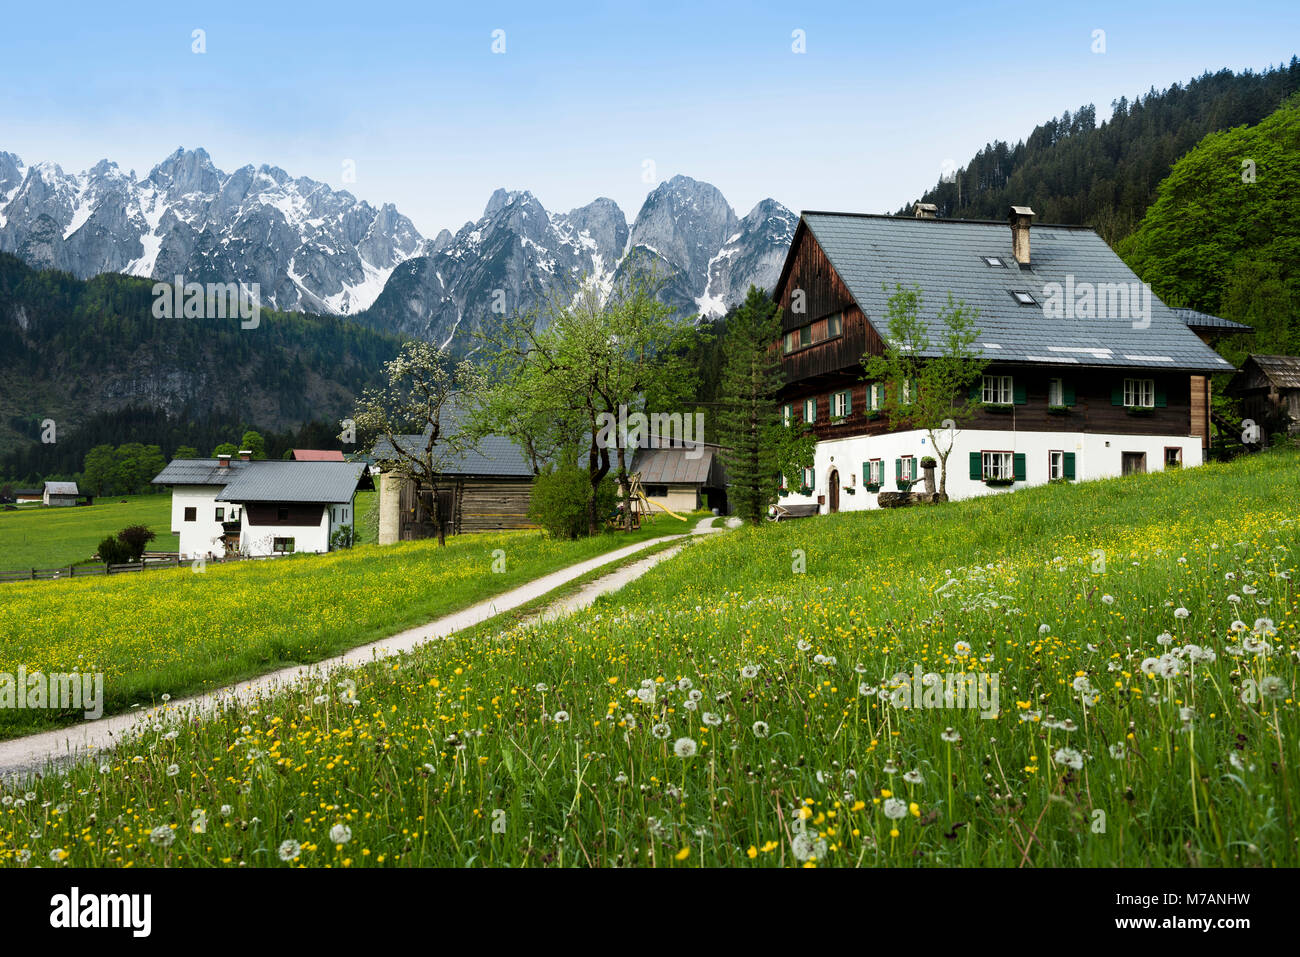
column 993, row 261
column 1022, row 297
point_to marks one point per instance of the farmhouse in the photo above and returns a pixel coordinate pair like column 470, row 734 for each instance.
column 1089, row 375
column 482, row 490
column 258, row 508
column 60, row 493
column 681, row 478
column 1269, row 389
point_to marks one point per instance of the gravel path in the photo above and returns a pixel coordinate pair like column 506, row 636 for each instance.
column 23, row 757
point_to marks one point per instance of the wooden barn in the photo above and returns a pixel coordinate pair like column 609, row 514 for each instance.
column 1088, row 375
column 1269, row 390
column 484, row 490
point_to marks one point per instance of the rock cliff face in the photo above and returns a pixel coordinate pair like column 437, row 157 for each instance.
column 308, row 246
column 315, row 249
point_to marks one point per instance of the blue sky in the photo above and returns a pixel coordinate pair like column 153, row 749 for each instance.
column 579, row 101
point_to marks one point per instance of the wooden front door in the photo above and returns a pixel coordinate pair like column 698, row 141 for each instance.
column 833, row 491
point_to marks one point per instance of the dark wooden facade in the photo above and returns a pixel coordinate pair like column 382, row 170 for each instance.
column 270, row 515
column 471, row 504
column 834, row 363
column 1093, row 409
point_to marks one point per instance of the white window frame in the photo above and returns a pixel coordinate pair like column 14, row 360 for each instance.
column 875, row 396
column 808, row 479
column 876, row 471
column 840, row 404
column 997, row 390
column 907, row 470
column 998, row 465
column 1139, row 393
column 906, row 396
column 1056, row 464
column 787, row 414
column 1056, row 392
column 810, row 403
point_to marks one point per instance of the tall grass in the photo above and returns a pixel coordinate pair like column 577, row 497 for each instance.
column 730, row 708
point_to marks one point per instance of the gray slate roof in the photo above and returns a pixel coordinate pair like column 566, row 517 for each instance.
column 61, row 488
column 496, row 456
column 1203, row 320
column 268, row 481
column 942, row 256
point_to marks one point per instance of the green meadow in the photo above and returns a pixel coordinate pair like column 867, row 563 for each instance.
column 763, row 699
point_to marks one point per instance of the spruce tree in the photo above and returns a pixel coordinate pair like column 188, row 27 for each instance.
column 757, row 446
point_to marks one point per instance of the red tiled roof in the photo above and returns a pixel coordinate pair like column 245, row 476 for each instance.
column 317, row 455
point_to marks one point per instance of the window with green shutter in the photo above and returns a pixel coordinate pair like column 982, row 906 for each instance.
column 976, row 467
column 1018, row 461
column 1069, row 465
column 1018, row 393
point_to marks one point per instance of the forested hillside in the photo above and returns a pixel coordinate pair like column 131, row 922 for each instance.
column 92, row 357
column 1223, row 234
column 1073, row 170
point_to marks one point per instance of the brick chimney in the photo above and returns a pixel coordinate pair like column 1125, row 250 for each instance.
column 925, row 210
column 245, row 455
column 1020, row 217
column 223, row 461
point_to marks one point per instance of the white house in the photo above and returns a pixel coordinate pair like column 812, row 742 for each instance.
column 1088, row 374
column 259, row 508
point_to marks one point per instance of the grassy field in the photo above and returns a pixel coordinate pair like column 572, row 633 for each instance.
column 57, row 537
column 39, row 537
column 747, row 703
column 178, row 631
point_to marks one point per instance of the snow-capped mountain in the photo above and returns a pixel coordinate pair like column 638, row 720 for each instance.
column 315, row 249
column 517, row 254
column 308, row 247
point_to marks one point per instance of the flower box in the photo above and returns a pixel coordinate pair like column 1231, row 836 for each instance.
column 999, row 482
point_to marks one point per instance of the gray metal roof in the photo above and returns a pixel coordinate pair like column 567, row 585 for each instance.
column 281, row 481
column 268, row 481
column 61, row 488
column 198, row 472
column 1203, row 320
column 943, row 255
column 495, row 456
column 673, row 466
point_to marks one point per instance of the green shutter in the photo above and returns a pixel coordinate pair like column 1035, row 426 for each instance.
column 1162, row 400
column 812, row 479
column 1018, row 392
column 977, row 390
column 848, row 401
column 1067, row 392
column 1069, row 465
column 1018, row 464
column 866, row 473
column 898, row 471
column 1117, row 394
column 976, row 467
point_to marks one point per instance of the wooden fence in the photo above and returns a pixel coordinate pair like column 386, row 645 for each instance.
column 150, row 560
